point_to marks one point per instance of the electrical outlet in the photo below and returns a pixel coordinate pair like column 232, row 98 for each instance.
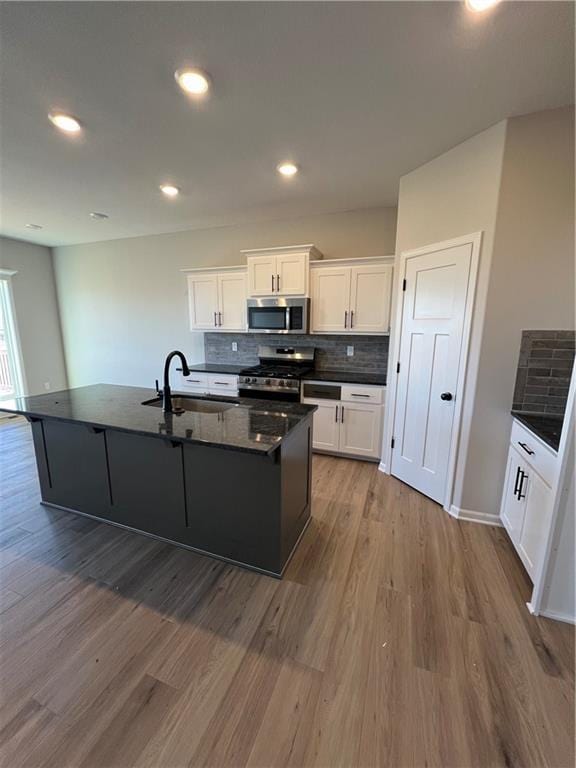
column 350, row 350
column 234, row 346
column 46, row 385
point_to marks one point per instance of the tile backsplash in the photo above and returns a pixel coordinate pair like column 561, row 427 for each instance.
column 544, row 371
column 370, row 352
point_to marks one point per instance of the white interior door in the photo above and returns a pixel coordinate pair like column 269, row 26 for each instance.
column 203, row 302
column 371, row 288
column 431, row 338
column 232, row 299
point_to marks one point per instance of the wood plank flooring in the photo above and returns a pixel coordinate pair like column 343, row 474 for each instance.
column 399, row 637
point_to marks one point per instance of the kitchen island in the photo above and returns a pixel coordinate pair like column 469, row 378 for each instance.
column 230, row 478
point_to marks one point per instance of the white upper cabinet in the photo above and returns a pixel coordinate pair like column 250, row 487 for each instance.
column 203, row 301
column 370, row 298
column 280, row 271
column 330, row 289
column 232, row 301
column 351, row 296
column 217, row 299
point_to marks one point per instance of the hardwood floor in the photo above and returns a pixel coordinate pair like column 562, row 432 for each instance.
column 399, row 637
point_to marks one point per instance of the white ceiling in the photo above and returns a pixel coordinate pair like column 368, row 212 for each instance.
column 356, row 93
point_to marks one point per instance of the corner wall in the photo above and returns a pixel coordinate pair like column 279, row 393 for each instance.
column 37, row 318
column 124, row 303
column 514, row 182
column 531, row 284
column 456, row 194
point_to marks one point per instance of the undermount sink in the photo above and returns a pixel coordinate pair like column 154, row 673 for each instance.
column 182, row 404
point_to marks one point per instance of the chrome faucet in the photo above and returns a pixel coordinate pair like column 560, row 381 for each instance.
column 166, row 392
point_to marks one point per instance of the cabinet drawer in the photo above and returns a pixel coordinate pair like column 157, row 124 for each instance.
column 534, row 452
column 362, row 394
column 196, row 381
column 222, row 382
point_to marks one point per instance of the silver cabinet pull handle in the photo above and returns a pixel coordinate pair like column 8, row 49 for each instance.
column 345, row 318
column 224, row 383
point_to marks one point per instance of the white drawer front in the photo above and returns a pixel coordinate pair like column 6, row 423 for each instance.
column 222, row 382
column 534, row 452
column 352, row 393
column 196, row 381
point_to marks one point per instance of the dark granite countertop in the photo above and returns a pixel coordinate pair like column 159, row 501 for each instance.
column 548, row 428
column 255, row 426
column 348, row 377
column 217, row 368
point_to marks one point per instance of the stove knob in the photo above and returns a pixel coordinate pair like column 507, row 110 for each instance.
column 254, row 381
column 281, row 383
column 267, row 381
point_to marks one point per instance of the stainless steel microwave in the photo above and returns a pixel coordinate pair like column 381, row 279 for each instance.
column 278, row 315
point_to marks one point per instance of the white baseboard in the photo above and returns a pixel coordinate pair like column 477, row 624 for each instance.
column 558, row 616
column 470, row 516
column 383, row 468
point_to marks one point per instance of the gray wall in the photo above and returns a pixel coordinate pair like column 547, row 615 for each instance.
column 370, row 352
column 36, row 309
column 515, row 183
column 124, row 305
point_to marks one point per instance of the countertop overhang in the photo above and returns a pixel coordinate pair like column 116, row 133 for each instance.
column 254, row 426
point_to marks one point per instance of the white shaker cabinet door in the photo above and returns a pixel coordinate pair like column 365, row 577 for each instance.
column 232, row 300
column 361, row 429
column 371, row 293
column 261, row 275
column 330, row 299
column 203, row 302
column 536, row 521
column 291, row 275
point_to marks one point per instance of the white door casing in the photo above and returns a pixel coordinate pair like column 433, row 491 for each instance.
column 434, row 319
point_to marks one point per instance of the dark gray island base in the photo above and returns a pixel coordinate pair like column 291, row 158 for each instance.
column 235, row 485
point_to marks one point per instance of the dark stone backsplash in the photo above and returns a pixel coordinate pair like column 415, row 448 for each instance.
column 370, row 352
column 544, row 371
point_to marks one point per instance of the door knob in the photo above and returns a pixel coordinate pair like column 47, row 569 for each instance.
column 446, row 396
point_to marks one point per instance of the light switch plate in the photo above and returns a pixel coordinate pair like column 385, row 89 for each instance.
column 234, row 346
column 350, row 350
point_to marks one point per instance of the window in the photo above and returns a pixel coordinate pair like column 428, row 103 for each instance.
column 11, row 378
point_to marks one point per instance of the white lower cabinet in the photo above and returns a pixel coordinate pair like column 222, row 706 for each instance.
column 326, row 425
column 361, row 429
column 527, row 498
column 348, row 427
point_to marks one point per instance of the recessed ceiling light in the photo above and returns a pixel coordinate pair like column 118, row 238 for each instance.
column 64, row 122
column 33, row 226
column 480, row 5
column 169, row 190
column 193, row 81
column 287, row 169
column 98, row 216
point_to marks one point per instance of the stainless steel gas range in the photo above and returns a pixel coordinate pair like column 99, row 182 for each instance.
column 279, row 373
